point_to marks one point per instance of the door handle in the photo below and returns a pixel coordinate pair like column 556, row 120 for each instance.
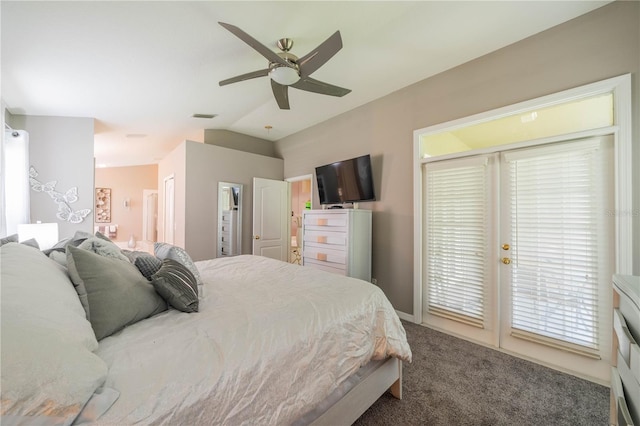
column 256, row 237
column 505, row 260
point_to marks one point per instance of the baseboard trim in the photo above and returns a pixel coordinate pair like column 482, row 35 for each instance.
column 405, row 316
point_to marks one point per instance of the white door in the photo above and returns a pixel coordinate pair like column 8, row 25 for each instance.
column 169, row 209
column 149, row 215
column 518, row 251
column 271, row 206
column 556, row 253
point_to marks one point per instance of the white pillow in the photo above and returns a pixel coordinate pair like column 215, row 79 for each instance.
column 48, row 369
column 47, row 376
column 38, row 291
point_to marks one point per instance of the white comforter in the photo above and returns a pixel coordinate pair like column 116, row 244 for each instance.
column 270, row 342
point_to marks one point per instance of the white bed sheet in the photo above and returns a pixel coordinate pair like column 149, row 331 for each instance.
column 270, row 342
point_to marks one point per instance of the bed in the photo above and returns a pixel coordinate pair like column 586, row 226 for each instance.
column 271, row 343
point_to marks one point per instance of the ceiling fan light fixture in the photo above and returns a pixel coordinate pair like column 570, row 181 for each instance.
column 284, row 75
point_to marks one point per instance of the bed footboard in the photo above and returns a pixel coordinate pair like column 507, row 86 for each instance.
column 347, row 410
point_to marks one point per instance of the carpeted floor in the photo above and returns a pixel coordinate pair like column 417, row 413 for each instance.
column 455, row 382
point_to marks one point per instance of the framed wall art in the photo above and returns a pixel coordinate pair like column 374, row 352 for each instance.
column 103, row 205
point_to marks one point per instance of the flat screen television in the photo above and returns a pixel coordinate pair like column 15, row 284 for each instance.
column 348, row 181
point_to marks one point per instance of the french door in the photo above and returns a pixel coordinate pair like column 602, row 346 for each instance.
column 518, row 251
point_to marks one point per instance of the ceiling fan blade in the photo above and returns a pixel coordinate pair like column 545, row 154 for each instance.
column 321, row 54
column 281, row 94
column 311, row 85
column 247, row 76
column 255, row 44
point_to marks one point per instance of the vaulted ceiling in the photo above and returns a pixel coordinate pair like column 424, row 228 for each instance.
column 143, row 69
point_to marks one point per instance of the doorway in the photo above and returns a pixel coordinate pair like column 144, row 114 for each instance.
column 301, row 196
column 169, row 210
column 518, row 251
column 502, row 327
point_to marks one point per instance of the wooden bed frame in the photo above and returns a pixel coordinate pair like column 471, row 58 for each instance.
column 388, row 376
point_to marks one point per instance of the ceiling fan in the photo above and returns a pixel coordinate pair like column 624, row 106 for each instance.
column 287, row 70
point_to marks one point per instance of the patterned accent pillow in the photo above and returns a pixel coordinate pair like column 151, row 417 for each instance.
column 147, row 264
column 177, row 285
column 167, row 251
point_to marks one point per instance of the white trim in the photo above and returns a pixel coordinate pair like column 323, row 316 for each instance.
column 621, row 88
column 623, row 175
column 417, row 227
column 406, row 317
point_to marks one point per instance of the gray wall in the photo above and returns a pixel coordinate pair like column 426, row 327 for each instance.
column 60, row 149
column 602, row 44
column 206, row 166
column 197, row 168
column 240, row 142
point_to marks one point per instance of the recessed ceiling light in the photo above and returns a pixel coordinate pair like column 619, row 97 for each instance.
column 135, row 135
column 102, row 166
column 204, row 115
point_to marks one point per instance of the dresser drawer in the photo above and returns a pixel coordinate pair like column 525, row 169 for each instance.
column 321, row 221
column 627, row 346
column 334, row 239
column 619, row 398
column 325, row 255
column 631, row 389
column 326, row 266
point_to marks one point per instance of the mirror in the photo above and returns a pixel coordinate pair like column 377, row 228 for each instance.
column 229, row 219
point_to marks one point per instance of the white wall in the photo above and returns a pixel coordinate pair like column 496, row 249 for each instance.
column 60, row 149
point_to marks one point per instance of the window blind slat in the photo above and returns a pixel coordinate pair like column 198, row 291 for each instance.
column 456, row 239
column 554, row 201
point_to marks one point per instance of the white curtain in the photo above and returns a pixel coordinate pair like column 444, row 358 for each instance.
column 14, row 181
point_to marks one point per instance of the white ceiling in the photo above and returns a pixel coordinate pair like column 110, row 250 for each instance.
column 144, row 68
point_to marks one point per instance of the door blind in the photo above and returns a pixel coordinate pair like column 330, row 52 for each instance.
column 555, row 200
column 456, row 239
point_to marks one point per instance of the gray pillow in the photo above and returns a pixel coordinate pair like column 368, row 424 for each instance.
column 31, row 243
column 102, row 236
column 9, row 239
column 168, row 251
column 103, row 248
column 177, row 285
column 78, row 238
column 116, row 293
column 148, row 265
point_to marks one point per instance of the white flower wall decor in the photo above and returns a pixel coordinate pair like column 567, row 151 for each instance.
column 63, row 200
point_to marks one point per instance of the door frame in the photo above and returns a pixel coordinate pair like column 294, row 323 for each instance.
column 622, row 130
column 166, row 206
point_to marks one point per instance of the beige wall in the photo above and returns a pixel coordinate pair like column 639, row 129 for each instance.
column 127, row 183
column 602, row 44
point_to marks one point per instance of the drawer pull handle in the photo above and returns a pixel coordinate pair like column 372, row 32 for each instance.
column 321, row 256
column 322, row 222
column 321, row 239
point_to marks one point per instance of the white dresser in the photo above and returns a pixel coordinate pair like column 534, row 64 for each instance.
column 227, row 233
column 338, row 241
column 625, row 373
